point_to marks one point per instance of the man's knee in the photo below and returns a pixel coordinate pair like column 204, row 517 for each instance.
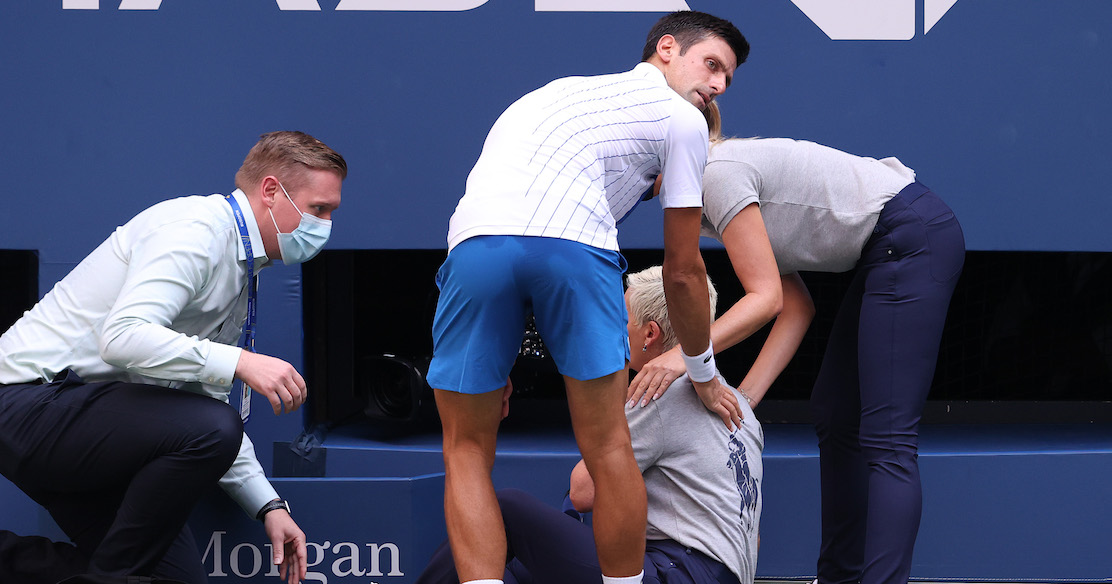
column 469, row 422
column 223, row 433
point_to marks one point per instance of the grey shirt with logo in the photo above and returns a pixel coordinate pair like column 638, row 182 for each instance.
column 819, row 204
column 703, row 481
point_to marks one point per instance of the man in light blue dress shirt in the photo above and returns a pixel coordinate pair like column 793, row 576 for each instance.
column 94, row 424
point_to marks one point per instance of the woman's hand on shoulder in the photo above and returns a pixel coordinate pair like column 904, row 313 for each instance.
column 654, row 378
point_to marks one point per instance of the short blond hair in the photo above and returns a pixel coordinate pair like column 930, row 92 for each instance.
column 647, row 301
column 287, row 155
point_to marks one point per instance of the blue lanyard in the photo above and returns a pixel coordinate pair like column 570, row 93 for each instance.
column 252, row 291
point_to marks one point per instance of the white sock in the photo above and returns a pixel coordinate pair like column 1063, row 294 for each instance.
column 627, row 580
column 484, row 582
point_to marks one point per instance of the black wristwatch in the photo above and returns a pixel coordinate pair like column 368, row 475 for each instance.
column 275, row 504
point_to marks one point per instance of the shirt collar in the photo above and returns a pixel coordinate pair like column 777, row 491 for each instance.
column 252, row 229
column 651, row 72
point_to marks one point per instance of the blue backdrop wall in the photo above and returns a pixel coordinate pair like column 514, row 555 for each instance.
column 108, row 107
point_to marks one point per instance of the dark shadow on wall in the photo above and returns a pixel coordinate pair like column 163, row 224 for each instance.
column 1028, row 338
column 19, row 284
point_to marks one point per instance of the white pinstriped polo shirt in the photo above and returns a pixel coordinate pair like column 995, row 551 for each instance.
column 573, row 158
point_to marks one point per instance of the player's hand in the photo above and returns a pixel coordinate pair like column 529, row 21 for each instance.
column 654, row 378
column 288, row 542
column 277, row 380
column 719, row 399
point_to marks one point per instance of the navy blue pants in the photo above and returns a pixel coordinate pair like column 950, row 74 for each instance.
column 547, row 546
column 119, row 466
column 873, row 384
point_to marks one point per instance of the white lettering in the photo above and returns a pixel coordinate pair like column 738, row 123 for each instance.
column 610, row 5
column 934, row 10
column 876, row 20
column 215, row 545
column 429, row 5
column 352, row 559
column 879, row 20
column 156, row 4
column 256, row 560
column 140, row 4
column 399, row 5
column 246, row 560
column 315, row 561
column 862, row 19
column 298, row 5
column 376, row 550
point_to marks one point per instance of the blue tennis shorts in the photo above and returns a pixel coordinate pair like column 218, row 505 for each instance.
column 490, row 284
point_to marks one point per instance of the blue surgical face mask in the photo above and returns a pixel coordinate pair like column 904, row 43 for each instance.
column 306, row 241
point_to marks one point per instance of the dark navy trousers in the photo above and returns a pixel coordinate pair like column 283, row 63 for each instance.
column 547, row 546
column 119, row 466
column 873, row 384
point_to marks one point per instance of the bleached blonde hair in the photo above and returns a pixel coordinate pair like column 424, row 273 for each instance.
column 647, row 301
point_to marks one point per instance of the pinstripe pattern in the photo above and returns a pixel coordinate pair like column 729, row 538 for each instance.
column 571, row 159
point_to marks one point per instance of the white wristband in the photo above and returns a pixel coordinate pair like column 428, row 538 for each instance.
column 700, row 368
